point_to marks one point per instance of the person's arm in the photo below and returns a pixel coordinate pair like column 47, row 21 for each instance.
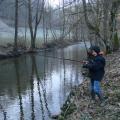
column 94, row 65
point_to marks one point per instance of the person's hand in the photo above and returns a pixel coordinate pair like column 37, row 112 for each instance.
column 85, row 62
column 101, row 53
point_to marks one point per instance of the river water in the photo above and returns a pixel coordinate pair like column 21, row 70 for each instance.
column 35, row 86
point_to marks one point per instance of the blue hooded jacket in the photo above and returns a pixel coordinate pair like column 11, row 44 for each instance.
column 96, row 68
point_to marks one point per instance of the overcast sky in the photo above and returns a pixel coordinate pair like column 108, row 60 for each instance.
column 54, row 3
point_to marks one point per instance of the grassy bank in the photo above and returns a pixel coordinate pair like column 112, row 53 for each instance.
column 85, row 108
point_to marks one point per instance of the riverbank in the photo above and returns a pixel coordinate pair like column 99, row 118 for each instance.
column 85, row 108
column 7, row 51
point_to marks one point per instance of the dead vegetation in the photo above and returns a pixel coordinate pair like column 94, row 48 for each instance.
column 86, row 109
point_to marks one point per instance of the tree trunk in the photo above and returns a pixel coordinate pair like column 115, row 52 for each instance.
column 16, row 26
column 38, row 16
column 113, row 29
column 30, row 25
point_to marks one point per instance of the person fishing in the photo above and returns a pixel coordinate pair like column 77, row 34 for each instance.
column 96, row 65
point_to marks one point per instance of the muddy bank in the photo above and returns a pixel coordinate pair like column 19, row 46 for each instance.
column 8, row 52
column 87, row 109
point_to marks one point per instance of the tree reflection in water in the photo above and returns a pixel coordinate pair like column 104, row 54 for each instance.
column 16, row 63
column 41, row 88
column 3, row 111
column 34, row 87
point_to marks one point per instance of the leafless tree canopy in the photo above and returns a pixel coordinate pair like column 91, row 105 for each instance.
column 77, row 20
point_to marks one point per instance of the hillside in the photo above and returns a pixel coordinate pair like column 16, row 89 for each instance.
column 5, row 28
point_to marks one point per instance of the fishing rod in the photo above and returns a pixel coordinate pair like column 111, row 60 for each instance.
column 80, row 61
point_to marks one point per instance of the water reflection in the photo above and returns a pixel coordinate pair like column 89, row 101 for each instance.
column 3, row 111
column 34, row 87
column 19, row 89
column 40, row 84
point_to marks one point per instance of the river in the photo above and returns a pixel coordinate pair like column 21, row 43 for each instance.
column 35, row 86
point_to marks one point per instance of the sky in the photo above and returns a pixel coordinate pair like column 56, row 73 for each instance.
column 54, row 3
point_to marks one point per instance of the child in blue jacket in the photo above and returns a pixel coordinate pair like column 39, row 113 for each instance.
column 96, row 68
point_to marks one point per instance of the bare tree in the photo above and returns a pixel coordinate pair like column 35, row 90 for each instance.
column 114, row 35
column 37, row 19
column 104, row 27
column 94, row 27
column 106, row 8
column 16, row 26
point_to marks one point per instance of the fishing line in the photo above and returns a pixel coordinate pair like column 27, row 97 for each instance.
column 80, row 61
